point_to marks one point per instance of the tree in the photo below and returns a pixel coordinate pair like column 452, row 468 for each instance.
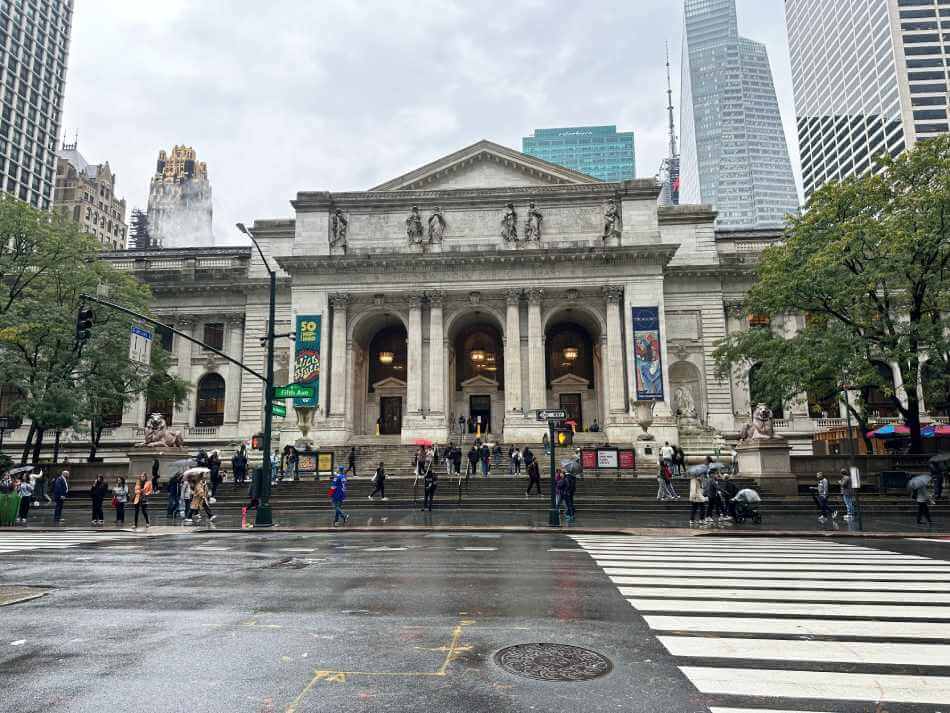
column 868, row 264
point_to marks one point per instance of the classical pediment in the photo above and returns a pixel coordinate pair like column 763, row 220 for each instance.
column 479, row 382
column 570, row 381
column 390, row 383
column 485, row 165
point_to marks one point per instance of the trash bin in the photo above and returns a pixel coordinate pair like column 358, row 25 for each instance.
column 9, row 509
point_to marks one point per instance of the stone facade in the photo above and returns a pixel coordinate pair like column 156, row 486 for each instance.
column 179, row 201
column 85, row 194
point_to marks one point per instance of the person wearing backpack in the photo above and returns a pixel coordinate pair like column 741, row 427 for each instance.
column 337, row 495
column 379, row 482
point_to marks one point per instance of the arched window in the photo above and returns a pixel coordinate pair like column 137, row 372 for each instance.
column 10, row 396
column 879, row 396
column 570, row 350
column 156, row 405
column 758, row 395
column 480, row 354
column 210, row 401
column 387, row 355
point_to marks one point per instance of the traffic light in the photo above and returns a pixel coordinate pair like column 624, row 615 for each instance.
column 84, row 321
column 564, row 437
column 257, row 442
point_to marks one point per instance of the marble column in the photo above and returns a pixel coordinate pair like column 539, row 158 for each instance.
column 414, row 357
column 537, row 393
column 513, row 403
column 436, row 359
column 613, row 361
column 232, row 394
column 185, row 413
column 338, row 355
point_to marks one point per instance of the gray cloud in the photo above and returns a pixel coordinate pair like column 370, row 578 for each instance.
column 340, row 95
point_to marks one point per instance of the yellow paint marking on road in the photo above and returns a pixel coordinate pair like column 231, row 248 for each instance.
column 451, row 650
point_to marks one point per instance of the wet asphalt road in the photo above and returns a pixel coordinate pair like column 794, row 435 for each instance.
column 298, row 623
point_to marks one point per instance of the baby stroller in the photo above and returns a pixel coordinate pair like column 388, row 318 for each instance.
column 746, row 506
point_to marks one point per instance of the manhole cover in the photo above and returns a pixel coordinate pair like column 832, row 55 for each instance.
column 553, row 662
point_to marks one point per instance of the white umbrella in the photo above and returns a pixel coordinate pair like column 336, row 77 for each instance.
column 196, row 471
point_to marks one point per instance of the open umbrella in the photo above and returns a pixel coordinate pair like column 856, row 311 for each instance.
column 183, row 463
column 695, row 470
column 936, row 430
column 941, row 458
column 890, row 431
column 196, row 471
column 422, row 442
column 20, row 469
column 918, row 482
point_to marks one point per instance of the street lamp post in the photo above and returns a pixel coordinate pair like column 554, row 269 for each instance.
column 264, row 517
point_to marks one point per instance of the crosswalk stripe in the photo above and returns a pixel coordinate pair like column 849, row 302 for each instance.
column 718, row 709
column 820, row 651
column 789, row 559
column 859, row 584
column 872, row 573
column 809, row 595
column 800, row 627
column 820, row 685
column 20, row 541
column 800, row 609
column 921, row 568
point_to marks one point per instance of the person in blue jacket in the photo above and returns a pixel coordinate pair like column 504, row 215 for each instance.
column 338, row 495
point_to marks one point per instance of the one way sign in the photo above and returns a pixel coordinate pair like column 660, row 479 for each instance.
column 552, row 415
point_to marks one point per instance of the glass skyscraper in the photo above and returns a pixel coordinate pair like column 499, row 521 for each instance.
column 598, row 151
column 34, row 45
column 733, row 150
column 870, row 77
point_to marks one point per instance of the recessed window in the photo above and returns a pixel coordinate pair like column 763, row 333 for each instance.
column 214, row 335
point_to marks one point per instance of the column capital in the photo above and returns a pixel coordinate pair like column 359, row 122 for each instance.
column 534, row 296
column 234, row 319
column 415, row 299
column 513, row 297
column 613, row 293
column 436, row 299
column 340, row 300
column 183, row 321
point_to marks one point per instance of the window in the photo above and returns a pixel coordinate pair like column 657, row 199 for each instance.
column 211, row 392
column 214, row 335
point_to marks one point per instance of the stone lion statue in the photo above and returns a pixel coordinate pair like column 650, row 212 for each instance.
column 761, row 427
column 158, row 435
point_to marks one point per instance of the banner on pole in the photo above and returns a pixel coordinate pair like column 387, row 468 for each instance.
column 307, row 357
column 647, row 355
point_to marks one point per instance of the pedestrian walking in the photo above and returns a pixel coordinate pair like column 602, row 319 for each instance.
column 379, row 482
column 559, row 486
column 98, row 493
column 40, row 488
column 922, row 495
column 60, row 491
column 937, row 475
column 666, row 454
column 430, row 483
column 351, row 462
column 199, row 500
column 214, row 465
column 546, row 444
column 472, row 462
column 847, row 493
column 174, row 495
column 120, row 496
column 496, row 454
column 679, row 461
column 570, row 487
column 338, row 496
column 457, row 460
column 143, row 489
column 25, row 489
column 239, row 465
column 534, row 478
column 527, row 458
column 697, row 501
column 821, row 499
column 156, row 469
column 485, row 455
column 185, row 497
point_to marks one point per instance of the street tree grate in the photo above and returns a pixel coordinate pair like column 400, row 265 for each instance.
column 553, row 662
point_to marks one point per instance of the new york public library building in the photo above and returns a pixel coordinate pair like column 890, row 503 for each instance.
column 471, row 291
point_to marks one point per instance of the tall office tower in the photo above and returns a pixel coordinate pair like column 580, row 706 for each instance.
column 179, row 201
column 598, row 151
column 870, row 77
column 34, row 45
column 85, row 193
column 733, row 149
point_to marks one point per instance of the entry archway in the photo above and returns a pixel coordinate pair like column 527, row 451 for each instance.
column 379, row 354
column 476, row 372
column 573, row 358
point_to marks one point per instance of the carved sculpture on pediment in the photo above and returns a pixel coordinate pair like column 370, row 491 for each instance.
column 338, row 227
column 613, row 222
column 509, row 224
column 436, row 226
column 414, row 226
column 532, row 223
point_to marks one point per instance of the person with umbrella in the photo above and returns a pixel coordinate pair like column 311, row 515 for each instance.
column 199, row 500
column 570, row 468
column 919, row 487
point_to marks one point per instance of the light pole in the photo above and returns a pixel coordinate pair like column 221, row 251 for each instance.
column 264, row 518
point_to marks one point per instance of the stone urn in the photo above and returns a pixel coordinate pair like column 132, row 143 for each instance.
column 644, row 414
column 304, row 420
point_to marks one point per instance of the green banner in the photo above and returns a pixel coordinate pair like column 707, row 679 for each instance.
column 307, row 359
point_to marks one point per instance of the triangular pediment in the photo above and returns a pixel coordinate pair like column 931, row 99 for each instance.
column 390, row 383
column 485, row 165
column 571, row 380
column 479, row 382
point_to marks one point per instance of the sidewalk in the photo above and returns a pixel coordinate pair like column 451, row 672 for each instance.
column 450, row 517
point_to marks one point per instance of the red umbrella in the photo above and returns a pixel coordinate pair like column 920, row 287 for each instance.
column 423, row 442
column 889, row 431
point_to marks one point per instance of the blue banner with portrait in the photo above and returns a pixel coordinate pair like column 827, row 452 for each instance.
column 648, row 362
column 307, row 357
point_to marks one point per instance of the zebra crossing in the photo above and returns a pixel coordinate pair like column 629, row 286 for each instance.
column 791, row 620
column 25, row 540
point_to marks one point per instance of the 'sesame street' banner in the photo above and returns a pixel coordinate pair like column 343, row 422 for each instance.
column 307, row 357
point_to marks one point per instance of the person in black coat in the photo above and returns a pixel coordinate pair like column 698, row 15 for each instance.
column 214, row 465
column 457, row 460
column 239, row 466
column 174, row 495
column 431, row 482
column 98, row 493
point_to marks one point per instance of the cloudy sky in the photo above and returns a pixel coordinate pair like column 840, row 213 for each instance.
column 291, row 95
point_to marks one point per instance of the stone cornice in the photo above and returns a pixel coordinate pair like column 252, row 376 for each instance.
column 679, row 214
column 173, row 253
column 658, row 255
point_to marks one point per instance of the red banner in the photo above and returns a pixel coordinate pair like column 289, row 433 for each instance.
column 588, row 459
column 627, row 460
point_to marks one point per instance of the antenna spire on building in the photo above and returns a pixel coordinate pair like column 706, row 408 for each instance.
column 669, row 103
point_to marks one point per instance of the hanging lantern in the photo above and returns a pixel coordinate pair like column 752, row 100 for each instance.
column 386, row 358
column 478, row 356
column 571, row 353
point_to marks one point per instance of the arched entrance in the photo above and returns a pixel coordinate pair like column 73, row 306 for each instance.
column 573, row 363
column 211, row 392
column 476, row 369
column 379, row 353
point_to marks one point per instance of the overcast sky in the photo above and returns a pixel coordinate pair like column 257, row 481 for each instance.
column 290, row 95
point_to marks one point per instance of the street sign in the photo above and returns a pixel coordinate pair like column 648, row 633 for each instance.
column 278, row 410
column 294, row 391
column 552, row 415
column 140, row 345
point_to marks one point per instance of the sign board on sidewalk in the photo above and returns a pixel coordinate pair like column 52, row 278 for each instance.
column 588, row 459
column 551, row 415
column 628, row 459
column 325, row 462
column 278, row 409
column 607, row 458
column 140, row 345
column 294, row 391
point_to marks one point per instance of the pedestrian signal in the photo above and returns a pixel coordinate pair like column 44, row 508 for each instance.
column 257, row 441
column 564, row 437
column 84, row 321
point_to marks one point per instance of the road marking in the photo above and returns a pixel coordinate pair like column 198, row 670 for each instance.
column 820, row 685
column 750, row 575
column 924, row 568
column 864, row 652
column 477, row 549
column 861, row 584
column 297, row 549
column 716, row 709
column 24, row 541
column 800, row 627
column 774, row 559
column 803, row 609
column 810, row 595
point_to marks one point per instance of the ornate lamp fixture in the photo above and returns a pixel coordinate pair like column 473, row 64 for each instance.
column 571, row 353
column 386, row 358
column 478, row 356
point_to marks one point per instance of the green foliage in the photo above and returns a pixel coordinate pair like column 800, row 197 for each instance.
column 869, row 264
